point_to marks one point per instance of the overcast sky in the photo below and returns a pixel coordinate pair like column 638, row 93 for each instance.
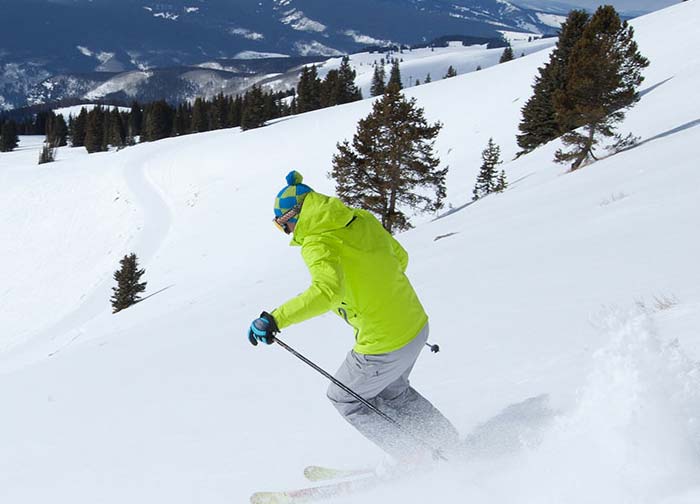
column 628, row 5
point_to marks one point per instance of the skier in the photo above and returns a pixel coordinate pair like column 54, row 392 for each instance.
column 358, row 270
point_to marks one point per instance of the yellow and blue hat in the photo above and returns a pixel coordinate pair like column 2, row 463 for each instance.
column 292, row 195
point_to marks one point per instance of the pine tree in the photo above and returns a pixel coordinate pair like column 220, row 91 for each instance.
column 604, row 72
column 9, row 139
column 253, row 109
column 94, row 131
column 451, row 72
column 501, row 182
column 116, row 134
column 48, row 154
column 330, row 89
column 181, row 123
column 489, row 180
column 308, row 90
column 135, row 120
column 78, row 129
column 507, row 55
column 395, row 76
column 157, row 121
column 200, row 123
column 540, row 123
column 428, row 79
column 347, row 90
column 390, row 158
column 378, row 77
column 129, row 287
column 56, row 130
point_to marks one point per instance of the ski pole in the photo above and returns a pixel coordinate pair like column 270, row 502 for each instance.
column 433, row 348
column 437, row 454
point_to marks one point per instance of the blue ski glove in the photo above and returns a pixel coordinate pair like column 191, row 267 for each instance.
column 263, row 329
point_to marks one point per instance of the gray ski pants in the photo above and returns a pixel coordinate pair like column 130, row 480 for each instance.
column 383, row 380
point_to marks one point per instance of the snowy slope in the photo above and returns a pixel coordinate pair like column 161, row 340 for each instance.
column 416, row 64
column 167, row 402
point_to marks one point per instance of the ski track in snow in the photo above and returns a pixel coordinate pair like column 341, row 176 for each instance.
column 157, row 220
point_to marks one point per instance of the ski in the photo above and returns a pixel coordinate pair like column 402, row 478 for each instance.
column 312, row 494
column 320, row 473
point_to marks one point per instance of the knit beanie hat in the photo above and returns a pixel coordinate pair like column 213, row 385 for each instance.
column 291, row 195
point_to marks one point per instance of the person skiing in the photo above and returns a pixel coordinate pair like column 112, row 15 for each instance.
column 358, row 270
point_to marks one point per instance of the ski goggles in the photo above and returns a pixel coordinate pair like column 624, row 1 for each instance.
column 282, row 222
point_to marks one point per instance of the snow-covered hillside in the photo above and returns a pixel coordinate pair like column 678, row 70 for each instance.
column 417, row 64
column 536, row 294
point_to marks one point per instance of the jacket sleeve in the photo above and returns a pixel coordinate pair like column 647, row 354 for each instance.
column 325, row 292
column 400, row 253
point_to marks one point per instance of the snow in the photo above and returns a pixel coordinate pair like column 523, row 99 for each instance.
column 367, row 39
column 544, row 299
column 127, row 82
column 259, row 55
column 553, row 20
column 418, row 63
column 246, row 34
column 66, row 112
column 298, row 21
column 314, row 48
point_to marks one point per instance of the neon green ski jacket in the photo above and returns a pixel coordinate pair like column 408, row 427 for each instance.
column 357, row 269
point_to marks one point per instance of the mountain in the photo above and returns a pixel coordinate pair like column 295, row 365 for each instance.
column 63, row 44
column 567, row 308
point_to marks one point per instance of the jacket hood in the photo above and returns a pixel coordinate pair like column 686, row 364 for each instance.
column 320, row 214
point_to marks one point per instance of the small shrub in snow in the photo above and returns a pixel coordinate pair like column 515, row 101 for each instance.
column 489, row 179
column 128, row 289
column 48, row 154
column 664, row 302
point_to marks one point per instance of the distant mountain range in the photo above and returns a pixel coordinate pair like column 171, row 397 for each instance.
column 56, row 49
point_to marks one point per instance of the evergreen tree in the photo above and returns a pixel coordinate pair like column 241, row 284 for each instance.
column 378, row 78
column 489, row 180
column 157, row 121
column 48, row 154
column 181, row 124
column 501, row 182
column 95, row 131
column 540, row 123
column 78, row 129
column 129, row 287
column 135, row 120
column 604, row 72
column 330, row 89
column 56, row 130
column 451, row 72
column 308, row 90
column 507, row 55
column 235, row 111
column 9, row 139
column 115, row 131
column 200, row 123
column 253, row 109
column 395, row 76
column 428, row 79
column 390, row 158
column 347, row 90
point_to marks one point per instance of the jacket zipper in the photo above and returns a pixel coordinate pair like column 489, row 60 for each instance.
column 344, row 314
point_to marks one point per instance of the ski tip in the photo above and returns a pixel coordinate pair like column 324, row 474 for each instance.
column 316, row 473
column 269, row 498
